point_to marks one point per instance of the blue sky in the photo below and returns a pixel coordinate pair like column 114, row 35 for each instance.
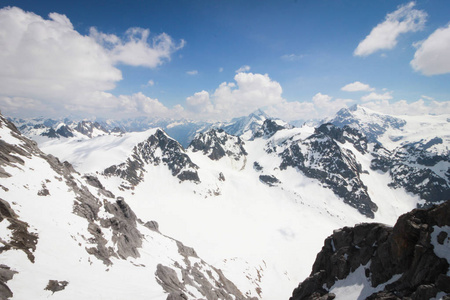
column 294, row 57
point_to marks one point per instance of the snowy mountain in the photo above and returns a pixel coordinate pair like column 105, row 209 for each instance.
column 63, row 235
column 255, row 194
column 375, row 261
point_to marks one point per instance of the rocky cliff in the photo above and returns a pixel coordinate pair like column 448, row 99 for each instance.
column 374, row 261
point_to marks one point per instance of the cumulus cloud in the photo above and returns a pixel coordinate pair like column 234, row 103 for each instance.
column 135, row 49
column 46, row 65
column 376, row 96
column 357, row 87
column 243, row 69
column 192, row 72
column 248, row 93
column 150, row 82
column 384, row 35
column 403, row 107
column 433, row 54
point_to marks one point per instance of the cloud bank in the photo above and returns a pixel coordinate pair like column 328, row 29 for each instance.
column 384, row 35
column 47, row 66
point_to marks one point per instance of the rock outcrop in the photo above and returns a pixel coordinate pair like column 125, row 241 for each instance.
column 408, row 261
column 320, row 157
column 157, row 149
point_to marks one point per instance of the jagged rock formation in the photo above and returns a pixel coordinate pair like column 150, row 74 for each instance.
column 416, row 170
column 408, row 261
column 320, row 156
column 270, row 127
column 217, row 143
column 213, row 286
column 157, row 149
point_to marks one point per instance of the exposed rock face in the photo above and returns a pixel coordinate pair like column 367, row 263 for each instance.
column 157, row 149
column 6, row 274
column 216, row 143
column 205, row 279
column 415, row 169
column 408, row 250
column 320, row 156
column 56, row 286
column 270, row 127
column 87, row 128
column 270, row 180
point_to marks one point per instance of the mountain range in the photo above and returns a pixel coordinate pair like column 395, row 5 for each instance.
column 255, row 197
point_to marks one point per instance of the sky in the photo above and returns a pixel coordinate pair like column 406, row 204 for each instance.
column 216, row 60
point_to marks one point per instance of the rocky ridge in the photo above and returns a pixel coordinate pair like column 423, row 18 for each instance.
column 321, row 157
column 217, row 143
column 157, row 149
column 408, row 261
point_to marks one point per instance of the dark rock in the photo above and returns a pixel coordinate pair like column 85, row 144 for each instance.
column 6, row 274
column 257, row 166
column 56, row 286
column 173, row 156
column 404, row 249
column 270, row 180
column 217, row 144
column 269, row 128
column 64, row 131
column 21, row 238
column 152, row 225
column 320, row 157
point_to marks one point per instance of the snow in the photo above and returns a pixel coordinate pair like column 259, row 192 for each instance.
column 265, row 239
column 97, row 153
column 442, row 251
column 357, row 286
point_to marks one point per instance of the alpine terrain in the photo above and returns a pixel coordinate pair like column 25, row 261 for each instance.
column 95, row 210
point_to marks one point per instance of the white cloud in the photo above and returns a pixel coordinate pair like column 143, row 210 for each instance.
column 357, row 87
column 220, row 70
column 375, row 96
column 200, row 103
column 243, row 69
column 135, row 49
column 433, row 54
column 326, row 106
column 192, row 72
column 150, row 82
column 403, row 107
column 46, row 65
column 248, row 93
column 384, row 35
column 292, row 57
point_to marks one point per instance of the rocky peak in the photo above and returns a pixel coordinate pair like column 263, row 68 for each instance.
column 345, row 134
column 90, row 129
column 407, row 261
column 270, row 127
column 321, row 157
column 216, row 143
column 158, row 149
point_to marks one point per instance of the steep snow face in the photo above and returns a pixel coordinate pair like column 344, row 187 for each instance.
column 63, row 235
